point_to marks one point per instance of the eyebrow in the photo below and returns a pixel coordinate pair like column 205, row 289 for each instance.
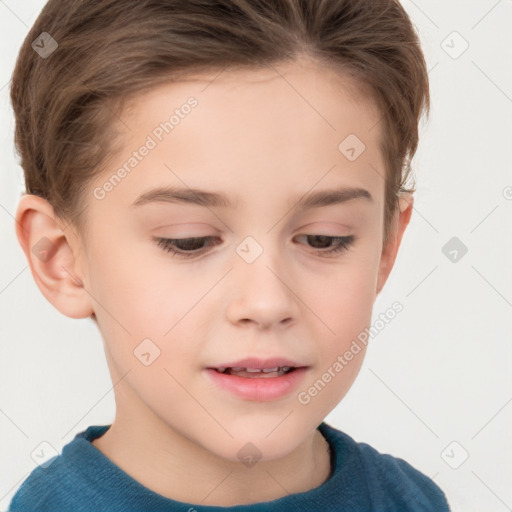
column 209, row 199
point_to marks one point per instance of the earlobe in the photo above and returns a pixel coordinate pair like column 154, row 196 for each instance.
column 397, row 229
column 51, row 255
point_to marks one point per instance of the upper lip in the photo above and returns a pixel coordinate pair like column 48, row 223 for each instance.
column 257, row 363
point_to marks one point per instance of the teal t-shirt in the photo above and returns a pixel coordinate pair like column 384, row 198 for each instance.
column 82, row 479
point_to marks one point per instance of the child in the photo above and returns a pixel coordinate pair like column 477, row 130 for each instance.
column 219, row 185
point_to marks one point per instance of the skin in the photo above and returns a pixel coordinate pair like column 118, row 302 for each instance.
column 255, row 137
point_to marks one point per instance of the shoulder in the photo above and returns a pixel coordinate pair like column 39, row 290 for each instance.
column 53, row 488
column 58, row 484
column 35, row 491
column 400, row 482
column 392, row 483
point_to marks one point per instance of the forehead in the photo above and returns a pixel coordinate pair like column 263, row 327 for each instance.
column 300, row 90
column 266, row 129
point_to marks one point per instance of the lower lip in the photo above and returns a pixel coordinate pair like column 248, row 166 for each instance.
column 259, row 389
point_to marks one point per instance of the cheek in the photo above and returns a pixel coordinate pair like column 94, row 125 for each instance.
column 344, row 302
column 145, row 310
column 140, row 293
column 345, row 309
column 345, row 299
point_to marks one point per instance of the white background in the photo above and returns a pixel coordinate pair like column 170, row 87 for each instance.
column 439, row 374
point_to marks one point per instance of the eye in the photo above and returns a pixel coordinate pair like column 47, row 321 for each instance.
column 190, row 247
column 341, row 243
column 185, row 247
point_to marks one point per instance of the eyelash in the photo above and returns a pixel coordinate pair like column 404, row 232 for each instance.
column 343, row 243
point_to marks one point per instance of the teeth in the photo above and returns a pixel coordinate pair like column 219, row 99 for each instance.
column 280, row 369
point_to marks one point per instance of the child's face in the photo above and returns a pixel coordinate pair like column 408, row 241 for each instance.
column 260, row 287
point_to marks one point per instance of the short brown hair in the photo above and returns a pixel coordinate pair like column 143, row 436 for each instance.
column 110, row 50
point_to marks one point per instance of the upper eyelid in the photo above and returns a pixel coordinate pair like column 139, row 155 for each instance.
column 210, row 237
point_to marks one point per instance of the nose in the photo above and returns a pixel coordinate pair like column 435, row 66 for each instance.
column 264, row 292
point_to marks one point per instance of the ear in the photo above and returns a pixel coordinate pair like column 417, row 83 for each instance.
column 398, row 224
column 52, row 256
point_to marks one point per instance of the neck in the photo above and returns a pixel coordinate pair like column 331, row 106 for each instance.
column 175, row 467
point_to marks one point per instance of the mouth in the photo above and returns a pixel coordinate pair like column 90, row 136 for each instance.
column 258, row 368
column 256, row 373
column 259, row 380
